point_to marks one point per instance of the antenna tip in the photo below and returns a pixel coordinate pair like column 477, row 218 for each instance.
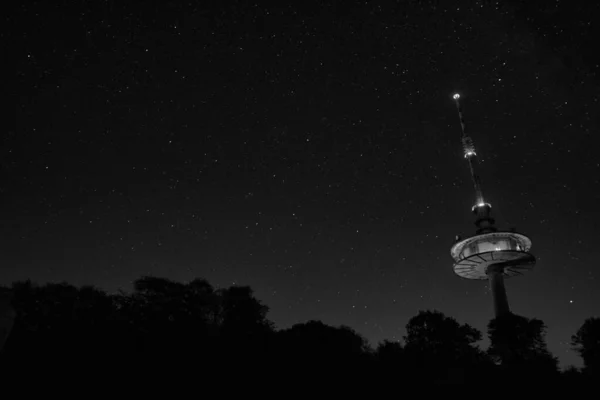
column 456, row 96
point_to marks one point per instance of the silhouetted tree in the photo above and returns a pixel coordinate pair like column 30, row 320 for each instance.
column 163, row 303
column 165, row 329
column 57, row 322
column 440, row 347
column 170, row 319
column 518, row 345
column 572, row 376
column 241, row 312
column 389, row 352
column 244, row 331
column 7, row 315
column 391, row 361
column 586, row 342
column 174, row 320
column 314, row 349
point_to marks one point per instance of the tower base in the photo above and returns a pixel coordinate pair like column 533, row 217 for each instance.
column 496, row 279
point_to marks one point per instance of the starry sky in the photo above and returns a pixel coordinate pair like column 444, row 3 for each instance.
column 309, row 150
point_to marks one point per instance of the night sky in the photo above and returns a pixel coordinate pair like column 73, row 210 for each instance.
column 311, row 151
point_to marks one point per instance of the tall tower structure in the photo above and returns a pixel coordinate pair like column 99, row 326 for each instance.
column 489, row 254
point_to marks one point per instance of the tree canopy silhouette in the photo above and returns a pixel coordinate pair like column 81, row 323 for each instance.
column 390, row 360
column 586, row 342
column 438, row 345
column 518, row 344
column 314, row 349
column 174, row 318
column 7, row 315
column 167, row 328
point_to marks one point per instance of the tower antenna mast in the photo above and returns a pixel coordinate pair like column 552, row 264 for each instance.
column 481, row 209
column 469, row 151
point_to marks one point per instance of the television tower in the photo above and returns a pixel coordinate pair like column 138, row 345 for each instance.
column 489, row 254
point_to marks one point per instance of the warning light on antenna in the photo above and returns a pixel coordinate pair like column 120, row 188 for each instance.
column 456, row 96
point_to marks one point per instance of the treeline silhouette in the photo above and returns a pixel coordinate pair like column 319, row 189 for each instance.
column 169, row 329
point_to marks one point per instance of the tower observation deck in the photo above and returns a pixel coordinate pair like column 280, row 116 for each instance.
column 489, row 254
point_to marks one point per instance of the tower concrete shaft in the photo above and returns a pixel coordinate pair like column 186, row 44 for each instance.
column 496, row 280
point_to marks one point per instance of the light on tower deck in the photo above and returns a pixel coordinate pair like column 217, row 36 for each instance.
column 470, row 153
column 456, row 96
column 479, row 205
